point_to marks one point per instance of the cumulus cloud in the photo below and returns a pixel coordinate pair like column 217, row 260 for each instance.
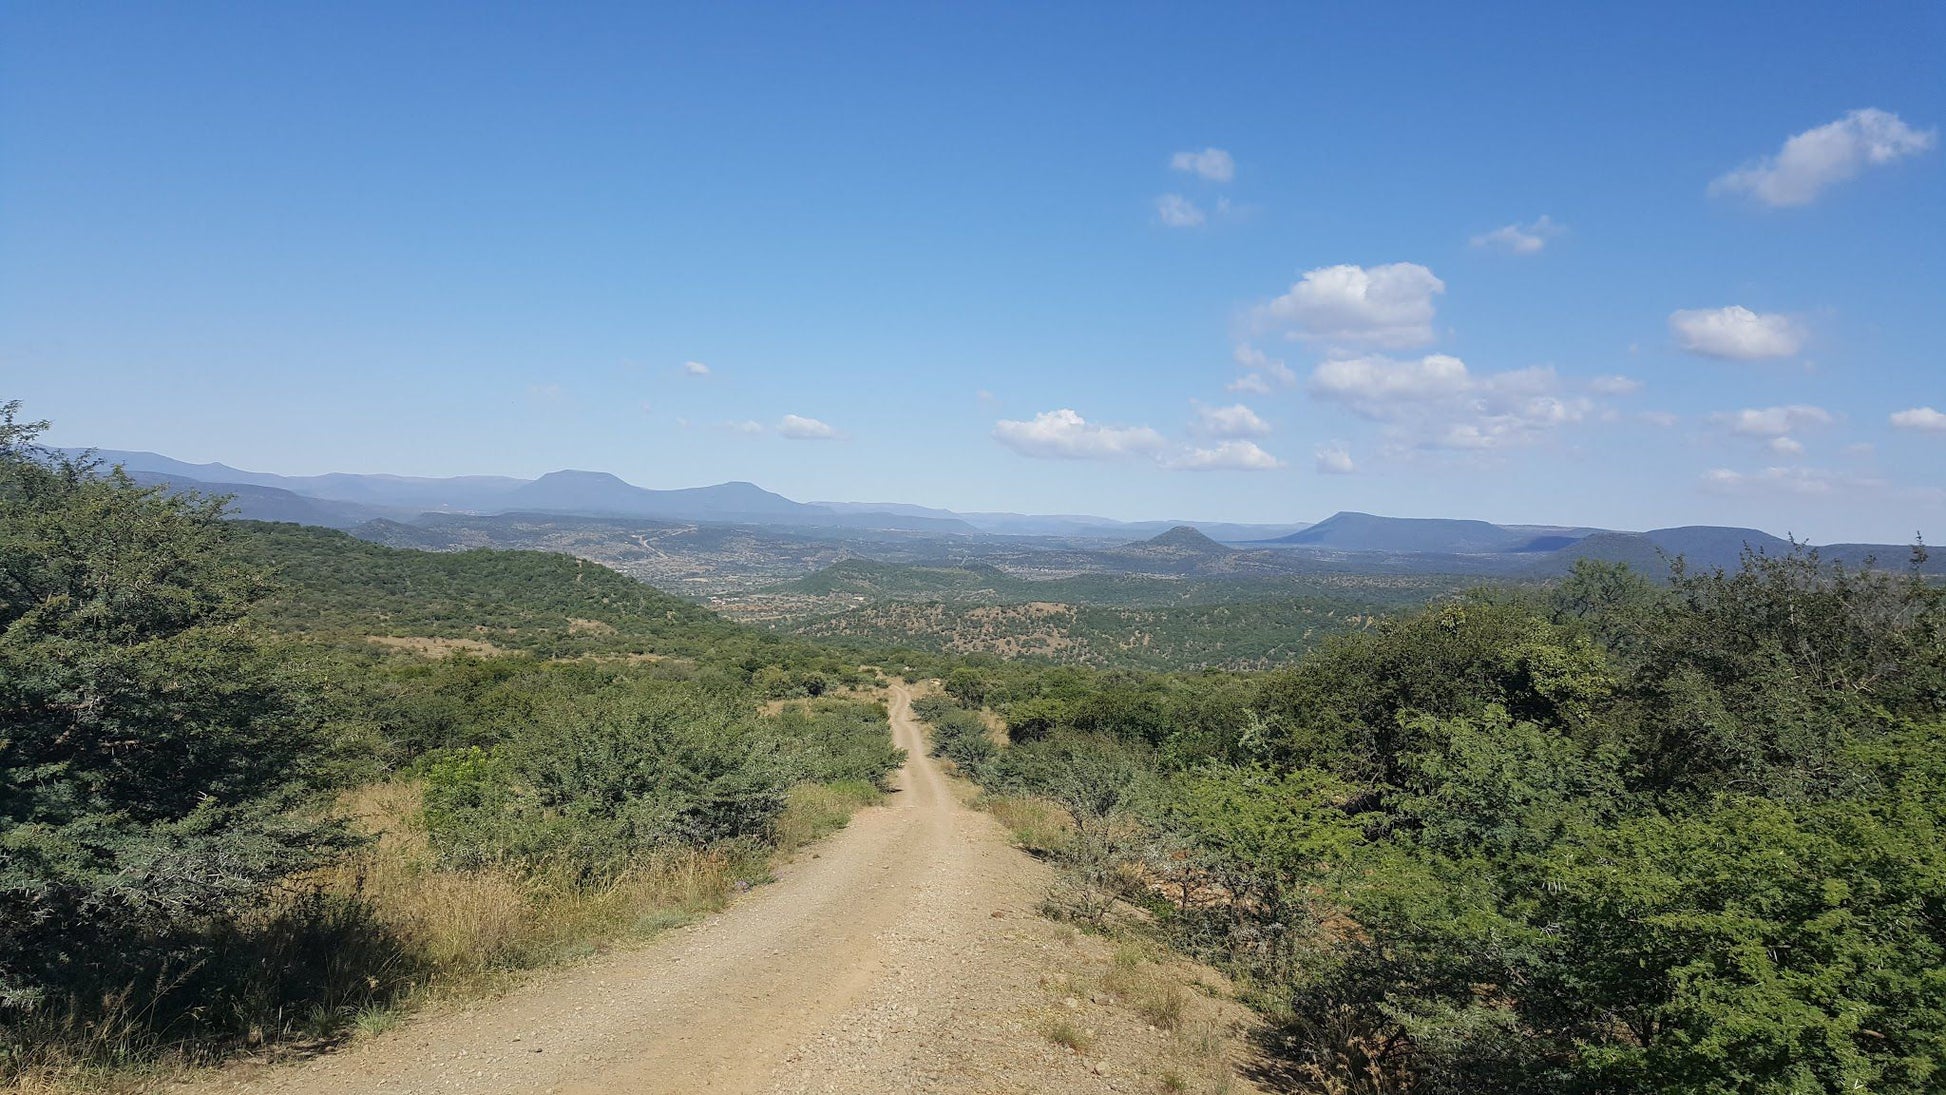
column 1375, row 386
column 1227, row 456
column 695, row 368
column 1736, row 333
column 1176, row 211
column 1520, row 239
column 1785, row 446
column 798, row 428
column 1388, row 306
column 1236, row 420
column 1253, row 383
column 1213, row 164
column 1772, row 421
column 1334, row 458
column 1064, row 435
column 1436, row 402
column 1809, row 482
column 1614, row 385
column 1818, row 158
column 1920, row 418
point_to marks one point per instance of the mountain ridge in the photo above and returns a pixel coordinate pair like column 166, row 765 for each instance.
column 1348, row 538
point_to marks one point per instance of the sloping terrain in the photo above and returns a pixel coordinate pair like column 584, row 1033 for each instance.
column 901, row 955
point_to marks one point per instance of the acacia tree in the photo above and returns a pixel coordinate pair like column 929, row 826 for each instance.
column 153, row 753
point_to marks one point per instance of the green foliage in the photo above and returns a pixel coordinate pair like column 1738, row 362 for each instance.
column 1349, row 706
column 1750, row 947
column 181, row 694
column 596, row 784
column 155, row 754
column 1628, row 838
column 959, row 735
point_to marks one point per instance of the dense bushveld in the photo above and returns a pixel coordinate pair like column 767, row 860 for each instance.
column 230, row 818
column 1623, row 836
column 1130, row 621
column 1615, row 836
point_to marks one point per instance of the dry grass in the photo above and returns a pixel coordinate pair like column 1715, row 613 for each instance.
column 467, row 929
column 1149, row 990
column 1037, row 825
column 435, row 648
column 1064, row 1033
column 458, row 934
column 816, row 810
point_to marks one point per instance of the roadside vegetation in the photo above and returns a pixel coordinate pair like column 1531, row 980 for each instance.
column 265, row 787
column 229, row 820
column 1622, row 835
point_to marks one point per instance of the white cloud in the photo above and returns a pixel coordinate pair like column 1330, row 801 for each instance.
column 1064, row 435
column 1818, row 158
column 747, row 426
column 1660, row 419
column 1785, row 446
column 1213, row 164
column 1389, row 306
column 1250, row 357
column 1920, row 418
column 1254, row 383
column 1334, row 458
column 1520, row 239
column 1772, row 421
column 1810, row 482
column 1236, row 420
column 1736, row 333
column 1614, row 385
column 1176, row 211
column 1436, row 402
column 695, row 368
column 1372, row 386
column 1227, row 456
column 799, row 428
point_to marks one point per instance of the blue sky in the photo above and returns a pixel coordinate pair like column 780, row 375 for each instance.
column 1544, row 264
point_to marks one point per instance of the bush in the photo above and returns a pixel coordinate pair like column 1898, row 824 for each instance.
column 959, row 735
column 597, row 783
column 157, row 760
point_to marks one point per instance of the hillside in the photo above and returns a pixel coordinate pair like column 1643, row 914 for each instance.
column 544, row 603
column 1181, row 541
column 258, row 503
column 1708, row 546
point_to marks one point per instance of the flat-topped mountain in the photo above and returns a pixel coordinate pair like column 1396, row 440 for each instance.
column 1352, row 531
column 600, row 494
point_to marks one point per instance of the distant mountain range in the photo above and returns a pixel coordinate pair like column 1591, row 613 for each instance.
column 1541, row 550
column 389, row 504
column 354, row 499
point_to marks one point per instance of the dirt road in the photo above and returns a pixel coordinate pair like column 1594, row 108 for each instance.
column 902, row 954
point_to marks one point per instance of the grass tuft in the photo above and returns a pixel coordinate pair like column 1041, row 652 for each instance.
column 1064, row 1033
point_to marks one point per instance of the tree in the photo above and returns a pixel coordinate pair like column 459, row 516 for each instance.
column 153, row 751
